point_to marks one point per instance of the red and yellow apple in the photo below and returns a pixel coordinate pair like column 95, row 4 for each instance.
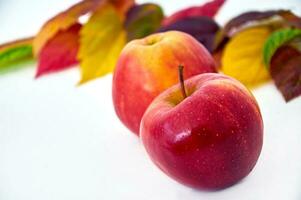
column 148, row 66
column 209, row 140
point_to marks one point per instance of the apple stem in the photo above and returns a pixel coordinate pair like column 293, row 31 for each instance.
column 181, row 79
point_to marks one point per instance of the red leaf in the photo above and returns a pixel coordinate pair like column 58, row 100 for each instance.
column 59, row 52
column 209, row 10
column 286, row 71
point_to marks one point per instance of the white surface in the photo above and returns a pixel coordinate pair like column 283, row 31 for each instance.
column 61, row 142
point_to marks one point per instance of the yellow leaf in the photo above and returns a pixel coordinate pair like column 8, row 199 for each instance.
column 243, row 59
column 102, row 39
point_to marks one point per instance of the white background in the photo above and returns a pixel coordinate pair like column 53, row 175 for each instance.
column 61, row 142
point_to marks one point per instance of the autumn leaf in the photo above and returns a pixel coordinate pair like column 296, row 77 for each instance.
column 102, row 39
column 209, row 10
column 57, row 43
column 276, row 40
column 142, row 20
column 63, row 21
column 14, row 52
column 242, row 57
column 248, row 34
column 122, row 6
column 59, row 52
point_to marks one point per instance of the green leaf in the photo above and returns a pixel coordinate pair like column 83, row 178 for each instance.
column 276, row 40
column 143, row 20
column 14, row 52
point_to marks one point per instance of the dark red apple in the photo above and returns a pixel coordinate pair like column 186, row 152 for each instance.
column 209, row 140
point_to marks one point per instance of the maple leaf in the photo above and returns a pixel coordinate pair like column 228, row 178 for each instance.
column 102, row 39
column 60, row 51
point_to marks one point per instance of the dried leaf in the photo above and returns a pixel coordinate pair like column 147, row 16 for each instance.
column 143, row 20
column 276, row 40
column 63, row 21
column 102, row 39
column 59, row 52
column 242, row 57
column 201, row 28
column 286, row 71
column 209, row 10
column 16, row 51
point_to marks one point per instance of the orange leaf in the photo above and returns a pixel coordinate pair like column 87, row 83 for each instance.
column 63, row 21
column 122, row 5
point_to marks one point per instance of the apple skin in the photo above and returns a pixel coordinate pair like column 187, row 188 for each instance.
column 148, row 66
column 211, row 139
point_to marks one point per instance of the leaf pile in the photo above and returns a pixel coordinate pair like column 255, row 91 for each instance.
column 253, row 47
column 250, row 49
column 63, row 41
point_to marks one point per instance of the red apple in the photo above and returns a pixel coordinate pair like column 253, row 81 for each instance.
column 209, row 140
column 148, row 66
